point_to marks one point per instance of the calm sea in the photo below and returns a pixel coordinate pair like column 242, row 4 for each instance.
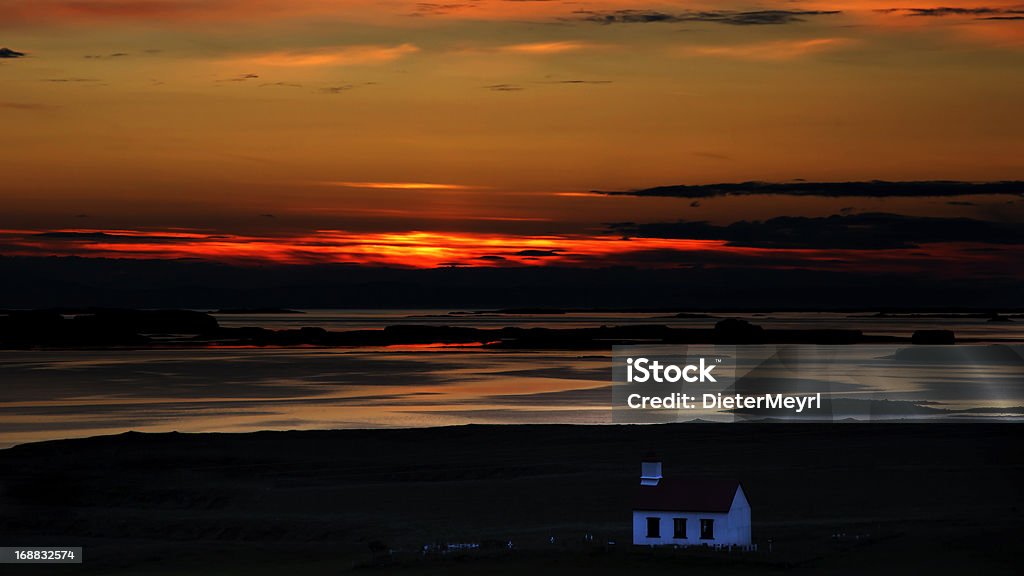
column 61, row 394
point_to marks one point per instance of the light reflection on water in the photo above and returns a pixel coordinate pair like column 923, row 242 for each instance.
column 60, row 394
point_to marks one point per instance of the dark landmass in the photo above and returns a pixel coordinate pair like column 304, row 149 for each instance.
column 979, row 355
column 964, row 312
column 695, row 286
column 989, row 316
column 531, row 311
column 98, row 328
column 623, row 310
column 256, row 311
column 831, row 498
column 878, row 409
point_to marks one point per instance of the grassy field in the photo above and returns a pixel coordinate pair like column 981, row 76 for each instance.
column 833, row 499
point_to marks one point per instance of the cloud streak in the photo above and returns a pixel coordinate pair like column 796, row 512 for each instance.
column 731, row 17
column 402, row 185
column 775, row 50
column 338, row 56
column 868, row 189
column 984, row 13
column 547, row 47
column 869, row 231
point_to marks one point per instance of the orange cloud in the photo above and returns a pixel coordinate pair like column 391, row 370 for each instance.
column 343, row 56
column 185, row 11
column 775, row 50
column 408, row 249
column 547, row 47
column 42, row 11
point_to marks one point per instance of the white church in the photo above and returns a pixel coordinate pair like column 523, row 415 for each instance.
column 689, row 511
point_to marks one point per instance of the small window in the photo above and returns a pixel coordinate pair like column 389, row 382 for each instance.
column 679, row 528
column 707, row 529
column 653, row 527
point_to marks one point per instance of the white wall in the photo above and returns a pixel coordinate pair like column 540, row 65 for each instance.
column 732, row 528
column 739, row 519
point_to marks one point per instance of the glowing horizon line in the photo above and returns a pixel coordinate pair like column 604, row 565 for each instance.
column 403, row 185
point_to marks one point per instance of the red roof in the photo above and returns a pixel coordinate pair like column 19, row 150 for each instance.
column 687, row 495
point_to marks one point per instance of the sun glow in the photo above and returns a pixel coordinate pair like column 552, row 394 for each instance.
column 421, row 249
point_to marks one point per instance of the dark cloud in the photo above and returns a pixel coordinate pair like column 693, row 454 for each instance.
column 870, row 189
column 106, row 56
column 538, row 253
column 108, row 237
column 504, row 87
column 439, row 9
column 8, row 53
column 988, row 13
column 570, row 82
column 736, row 18
column 626, row 16
column 867, row 231
column 580, row 82
column 240, row 78
column 282, row 84
column 337, row 89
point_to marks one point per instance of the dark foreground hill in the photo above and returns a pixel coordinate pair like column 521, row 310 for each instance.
column 830, row 499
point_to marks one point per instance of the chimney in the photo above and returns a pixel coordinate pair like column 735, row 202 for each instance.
column 650, row 471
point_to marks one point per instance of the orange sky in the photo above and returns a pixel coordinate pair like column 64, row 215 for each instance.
column 484, row 119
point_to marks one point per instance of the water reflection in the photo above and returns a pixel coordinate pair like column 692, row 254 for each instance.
column 59, row 394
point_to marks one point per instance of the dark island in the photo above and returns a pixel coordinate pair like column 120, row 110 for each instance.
column 111, row 327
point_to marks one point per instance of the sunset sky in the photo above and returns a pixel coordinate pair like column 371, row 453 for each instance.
column 475, row 132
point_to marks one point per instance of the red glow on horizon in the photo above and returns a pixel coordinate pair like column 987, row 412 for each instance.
column 418, row 249
column 414, row 249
